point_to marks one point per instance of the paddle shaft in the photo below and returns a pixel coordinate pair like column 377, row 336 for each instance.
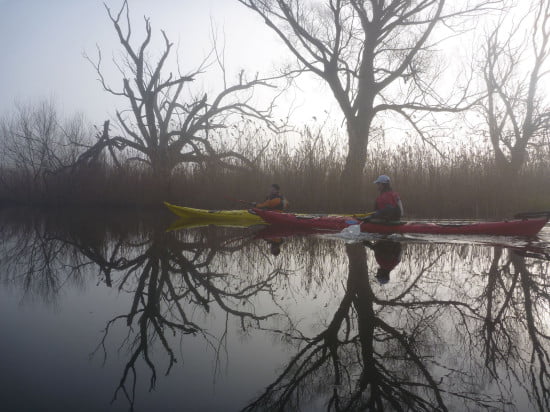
column 526, row 215
column 233, row 199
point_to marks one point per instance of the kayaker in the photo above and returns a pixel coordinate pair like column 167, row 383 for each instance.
column 388, row 255
column 388, row 205
column 274, row 200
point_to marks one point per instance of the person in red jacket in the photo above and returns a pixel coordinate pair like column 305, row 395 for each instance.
column 388, row 205
column 274, row 200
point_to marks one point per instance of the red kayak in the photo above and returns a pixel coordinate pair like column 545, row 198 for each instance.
column 524, row 226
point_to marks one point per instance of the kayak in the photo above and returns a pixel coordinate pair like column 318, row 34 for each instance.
column 268, row 232
column 220, row 217
column 226, row 217
column 513, row 227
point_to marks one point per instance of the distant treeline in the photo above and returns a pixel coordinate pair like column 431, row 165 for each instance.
column 460, row 183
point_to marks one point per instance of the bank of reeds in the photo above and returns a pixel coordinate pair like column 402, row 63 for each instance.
column 462, row 183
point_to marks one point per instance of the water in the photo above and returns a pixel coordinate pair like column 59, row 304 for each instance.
column 113, row 313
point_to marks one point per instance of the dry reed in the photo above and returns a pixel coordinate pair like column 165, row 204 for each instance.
column 462, row 183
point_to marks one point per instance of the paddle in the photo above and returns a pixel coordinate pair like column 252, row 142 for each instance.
column 354, row 229
column 364, row 218
column 246, row 202
column 527, row 215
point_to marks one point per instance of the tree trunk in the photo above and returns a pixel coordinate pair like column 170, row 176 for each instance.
column 162, row 172
column 355, row 160
column 518, row 158
column 510, row 167
column 352, row 175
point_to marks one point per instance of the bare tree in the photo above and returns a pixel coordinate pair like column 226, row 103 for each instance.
column 162, row 128
column 35, row 141
column 513, row 70
column 374, row 55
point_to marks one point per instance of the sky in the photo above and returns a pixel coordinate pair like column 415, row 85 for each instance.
column 43, row 42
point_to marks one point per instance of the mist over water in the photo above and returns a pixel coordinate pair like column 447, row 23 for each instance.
column 115, row 313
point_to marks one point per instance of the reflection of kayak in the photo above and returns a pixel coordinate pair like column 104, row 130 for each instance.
column 224, row 217
column 514, row 227
column 184, row 223
column 280, row 231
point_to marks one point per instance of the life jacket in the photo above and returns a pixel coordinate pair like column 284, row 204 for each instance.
column 387, row 206
column 274, row 202
column 385, row 199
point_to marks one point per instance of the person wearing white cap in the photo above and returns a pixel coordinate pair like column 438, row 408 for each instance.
column 388, row 205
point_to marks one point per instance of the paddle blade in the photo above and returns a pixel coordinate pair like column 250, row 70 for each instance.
column 353, row 230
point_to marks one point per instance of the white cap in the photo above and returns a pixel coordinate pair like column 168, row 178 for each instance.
column 382, row 179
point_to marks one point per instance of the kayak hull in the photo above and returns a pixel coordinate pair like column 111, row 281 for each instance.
column 515, row 227
column 203, row 217
column 220, row 217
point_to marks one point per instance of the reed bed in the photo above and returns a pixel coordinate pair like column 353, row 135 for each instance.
column 460, row 183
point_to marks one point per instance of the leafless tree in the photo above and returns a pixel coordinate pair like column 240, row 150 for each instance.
column 515, row 64
column 35, row 141
column 374, row 55
column 166, row 124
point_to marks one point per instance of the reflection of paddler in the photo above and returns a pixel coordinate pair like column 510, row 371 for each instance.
column 387, row 255
column 275, row 245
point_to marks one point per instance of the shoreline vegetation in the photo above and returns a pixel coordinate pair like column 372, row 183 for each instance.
column 464, row 183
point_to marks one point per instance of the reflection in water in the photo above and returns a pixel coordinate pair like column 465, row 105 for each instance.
column 383, row 353
column 457, row 327
column 516, row 330
column 388, row 255
column 172, row 279
column 359, row 360
column 275, row 246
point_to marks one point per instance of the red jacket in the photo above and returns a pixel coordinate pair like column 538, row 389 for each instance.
column 386, row 199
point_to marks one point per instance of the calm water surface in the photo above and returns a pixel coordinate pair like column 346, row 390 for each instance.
column 114, row 313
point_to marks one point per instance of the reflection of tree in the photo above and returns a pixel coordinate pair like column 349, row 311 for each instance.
column 456, row 328
column 171, row 277
column 32, row 258
column 384, row 350
column 171, row 280
column 515, row 331
column 353, row 351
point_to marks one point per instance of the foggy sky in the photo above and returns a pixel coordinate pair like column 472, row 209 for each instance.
column 42, row 43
